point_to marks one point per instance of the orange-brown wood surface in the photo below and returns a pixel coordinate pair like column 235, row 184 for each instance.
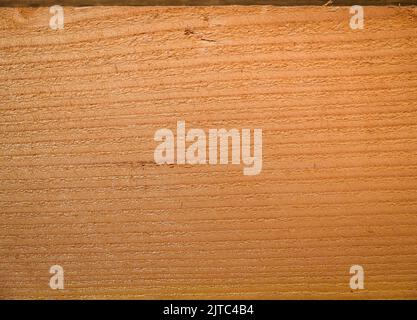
column 79, row 186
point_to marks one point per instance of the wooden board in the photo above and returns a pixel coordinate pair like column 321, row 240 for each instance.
column 79, row 186
column 77, row 3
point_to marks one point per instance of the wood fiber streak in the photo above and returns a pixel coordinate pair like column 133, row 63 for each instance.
column 79, row 186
